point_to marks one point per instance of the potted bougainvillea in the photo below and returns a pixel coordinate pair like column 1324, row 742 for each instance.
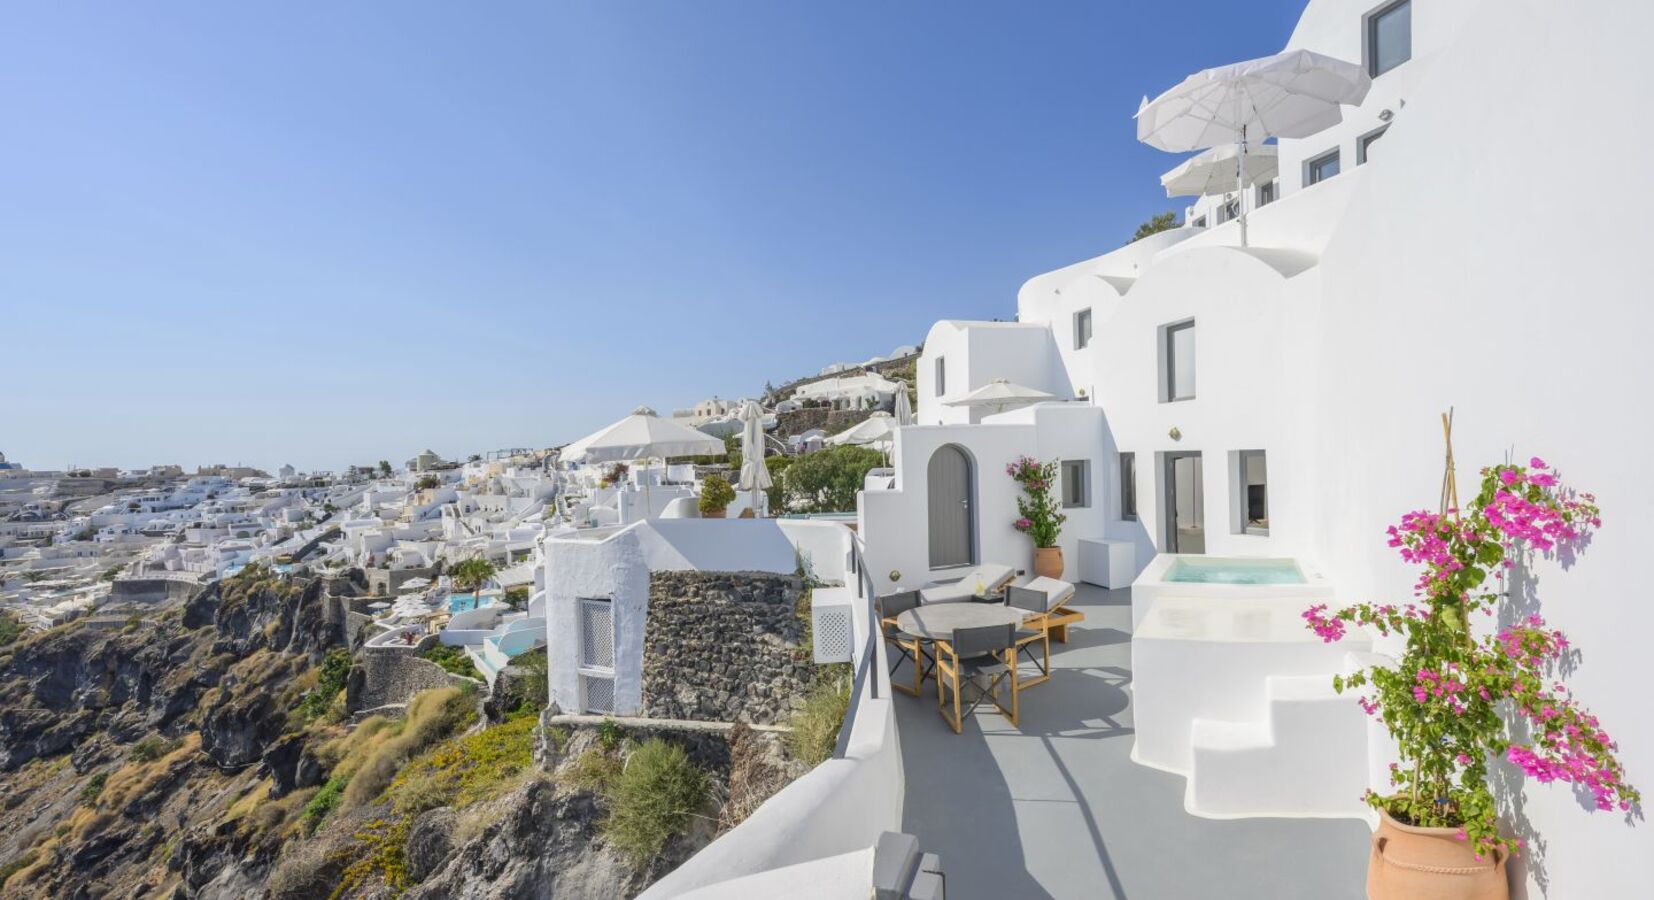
column 1458, row 701
column 1037, row 512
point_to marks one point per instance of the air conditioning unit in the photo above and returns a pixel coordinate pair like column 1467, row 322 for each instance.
column 832, row 624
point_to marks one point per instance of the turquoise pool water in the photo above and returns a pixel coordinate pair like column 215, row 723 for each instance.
column 1219, row 570
column 460, row 602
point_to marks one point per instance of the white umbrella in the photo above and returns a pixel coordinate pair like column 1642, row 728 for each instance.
column 1288, row 95
column 641, row 435
column 755, row 476
column 904, row 408
column 415, row 583
column 875, row 429
column 1000, row 395
column 1213, row 171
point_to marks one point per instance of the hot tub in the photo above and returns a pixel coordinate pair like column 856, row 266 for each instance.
column 1291, row 582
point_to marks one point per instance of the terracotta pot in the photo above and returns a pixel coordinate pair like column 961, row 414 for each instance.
column 1048, row 561
column 1413, row 863
column 713, row 515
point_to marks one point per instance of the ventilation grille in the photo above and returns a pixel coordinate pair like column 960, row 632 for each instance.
column 833, row 634
column 598, row 694
column 597, row 634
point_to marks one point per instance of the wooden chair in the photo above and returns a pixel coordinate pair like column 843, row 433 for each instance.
column 974, row 653
column 1033, row 634
column 906, row 646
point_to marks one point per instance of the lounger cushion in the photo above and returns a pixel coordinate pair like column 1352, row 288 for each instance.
column 981, row 581
column 1056, row 592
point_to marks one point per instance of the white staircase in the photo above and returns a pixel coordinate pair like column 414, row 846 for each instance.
column 1237, row 697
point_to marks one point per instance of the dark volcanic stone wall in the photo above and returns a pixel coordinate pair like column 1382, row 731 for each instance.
column 723, row 647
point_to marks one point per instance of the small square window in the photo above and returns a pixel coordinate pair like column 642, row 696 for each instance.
column 1082, row 329
column 1128, row 486
column 1076, row 483
column 1266, row 193
column 1389, row 37
column 1365, row 141
column 1321, row 168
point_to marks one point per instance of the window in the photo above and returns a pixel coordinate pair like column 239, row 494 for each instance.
column 1082, row 329
column 1177, row 352
column 1266, row 193
column 1128, row 486
column 1076, row 483
column 941, row 376
column 1229, row 210
column 1365, row 141
column 1321, row 168
column 1199, row 223
column 1251, row 494
column 1389, row 37
column 597, row 655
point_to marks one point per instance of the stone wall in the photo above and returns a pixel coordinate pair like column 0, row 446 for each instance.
column 723, row 646
column 152, row 590
column 389, row 675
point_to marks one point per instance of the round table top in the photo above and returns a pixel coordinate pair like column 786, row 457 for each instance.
column 936, row 621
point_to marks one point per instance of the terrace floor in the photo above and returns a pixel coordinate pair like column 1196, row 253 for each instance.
column 1056, row 808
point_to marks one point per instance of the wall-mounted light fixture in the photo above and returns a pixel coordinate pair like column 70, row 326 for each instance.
column 1175, row 434
column 895, row 574
column 1385, row 115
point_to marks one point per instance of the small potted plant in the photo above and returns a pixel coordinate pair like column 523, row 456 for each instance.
column 1037, row 512
column 1456, row 702
column 716, row 496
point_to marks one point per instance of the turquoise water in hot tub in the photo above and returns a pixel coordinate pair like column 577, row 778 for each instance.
column 1218, row 570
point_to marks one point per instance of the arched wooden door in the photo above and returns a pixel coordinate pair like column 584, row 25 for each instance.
column 952, row 531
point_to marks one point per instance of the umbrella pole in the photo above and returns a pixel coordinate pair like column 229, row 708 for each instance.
column 1240, row 184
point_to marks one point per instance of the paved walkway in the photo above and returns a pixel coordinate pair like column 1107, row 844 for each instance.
column 1056, row 808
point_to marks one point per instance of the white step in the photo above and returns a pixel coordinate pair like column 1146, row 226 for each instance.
column 1307, row 757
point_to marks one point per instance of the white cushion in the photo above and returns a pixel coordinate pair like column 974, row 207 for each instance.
column 1055, row 590
column 979, row 582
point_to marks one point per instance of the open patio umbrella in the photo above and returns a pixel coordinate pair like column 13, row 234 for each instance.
column 755, row 476
column 904, row 409
column 875, row 429
column 1000, row 395
column 642, row 435
column 1212, row 171
column 1289, row 95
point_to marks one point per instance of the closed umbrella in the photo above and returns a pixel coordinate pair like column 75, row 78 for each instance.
column 1213, row 171
column 1000, row 395
column 755, row 476
column 904, row 409
column 1289, row 95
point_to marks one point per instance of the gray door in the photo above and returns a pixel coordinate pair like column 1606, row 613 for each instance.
column 951, row 535
column 1184, row 512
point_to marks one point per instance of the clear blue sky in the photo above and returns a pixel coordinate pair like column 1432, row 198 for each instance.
column 334, row 233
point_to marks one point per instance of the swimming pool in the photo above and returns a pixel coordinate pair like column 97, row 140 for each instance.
column 460, row 602
column 1221, row 570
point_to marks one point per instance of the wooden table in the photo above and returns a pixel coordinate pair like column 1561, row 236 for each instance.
column 937, row 621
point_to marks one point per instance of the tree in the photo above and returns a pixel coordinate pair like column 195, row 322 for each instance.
column 385, row 467
column 1165, row 221
column 828, row 480
column 716, row 495
column 470, row 575
column 428, row 483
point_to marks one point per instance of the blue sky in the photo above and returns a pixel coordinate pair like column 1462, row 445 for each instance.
column 334, row 233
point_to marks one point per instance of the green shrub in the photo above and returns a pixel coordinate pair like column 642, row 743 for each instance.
column 656, row 795
column 453, row 660
column 815, row 728
column 331, row 676
column 466, row 769
column 716, row 495
column 153, row 747
column 93, row 789
column 10, row 628
column 609, row 734
column 324, row 802
column 828, row 480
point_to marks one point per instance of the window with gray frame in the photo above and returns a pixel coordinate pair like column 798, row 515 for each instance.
column 941, row 375
column 1266, row 192
column 1365, row 141
column 1082, row 329
column 1389, row 37
column 1128, row 486
column 1321, row 168
column 1199, row 223
column 1177, row 351
column 1252, row 479
column 597, row 655
column 1076, row 483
